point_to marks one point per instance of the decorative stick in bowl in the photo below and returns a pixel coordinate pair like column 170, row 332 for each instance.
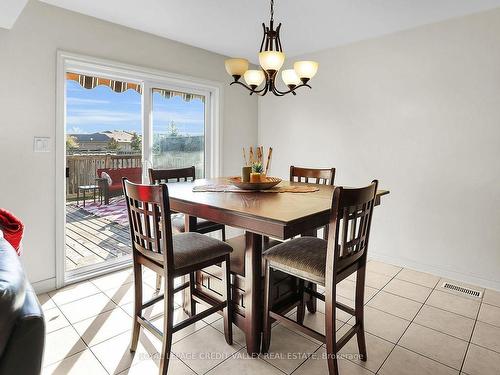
column 245, row 156
column 268, row 159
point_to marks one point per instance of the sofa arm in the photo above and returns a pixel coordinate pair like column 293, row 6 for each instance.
column 12, row 291
column 24, row 351
column 22, row 326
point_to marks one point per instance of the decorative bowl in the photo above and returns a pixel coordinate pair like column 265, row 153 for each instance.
column 262, row 185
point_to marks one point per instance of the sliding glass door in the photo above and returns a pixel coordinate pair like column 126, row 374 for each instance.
column 103, row 144
column 118, row 123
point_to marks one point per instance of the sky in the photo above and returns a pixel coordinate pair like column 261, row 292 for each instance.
column 100, row 109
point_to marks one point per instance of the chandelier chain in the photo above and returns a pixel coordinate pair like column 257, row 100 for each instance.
column 272, row 10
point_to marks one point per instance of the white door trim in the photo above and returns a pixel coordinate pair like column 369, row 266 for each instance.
column 133, row 73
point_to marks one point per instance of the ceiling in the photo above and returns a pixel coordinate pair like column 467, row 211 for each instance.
column 9, row 11
column 232, row 27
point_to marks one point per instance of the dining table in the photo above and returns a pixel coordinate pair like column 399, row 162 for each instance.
column 265, row 218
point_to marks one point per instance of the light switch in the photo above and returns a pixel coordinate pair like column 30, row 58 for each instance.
column 41, row 144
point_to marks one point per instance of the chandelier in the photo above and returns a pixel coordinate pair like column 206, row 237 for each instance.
column 271, row 59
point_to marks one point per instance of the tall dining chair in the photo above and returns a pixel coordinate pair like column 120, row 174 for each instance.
column 327, row 263
column 325, row 176
column 321, row 176
column 198, row 225
column 154, row 247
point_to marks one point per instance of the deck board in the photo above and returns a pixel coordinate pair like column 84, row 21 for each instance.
column 91, row 239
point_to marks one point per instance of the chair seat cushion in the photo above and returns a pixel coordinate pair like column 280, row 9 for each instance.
column 192, row 248
column 178, row 223
column 304, row 257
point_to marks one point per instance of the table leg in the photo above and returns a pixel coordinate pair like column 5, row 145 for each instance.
column 83, row 197
column 77, row 197
column 94, row 195
column 253, row 292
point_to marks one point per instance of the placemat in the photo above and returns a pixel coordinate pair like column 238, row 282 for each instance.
column 234, row 189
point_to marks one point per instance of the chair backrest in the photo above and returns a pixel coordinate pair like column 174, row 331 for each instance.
column 325, row 176
column 157, row 176
column 150, row 227
column 350, row 223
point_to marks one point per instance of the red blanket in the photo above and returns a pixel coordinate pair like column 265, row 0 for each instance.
column 12, row 229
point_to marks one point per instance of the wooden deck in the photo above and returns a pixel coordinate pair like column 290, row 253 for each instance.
column 91, row 239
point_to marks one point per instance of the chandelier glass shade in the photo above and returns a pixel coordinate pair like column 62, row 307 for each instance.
column 271, row 60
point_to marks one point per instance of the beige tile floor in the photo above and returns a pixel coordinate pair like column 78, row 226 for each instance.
column 413, row 326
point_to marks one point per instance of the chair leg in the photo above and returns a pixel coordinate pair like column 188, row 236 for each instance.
column 330, row 328
column 158, row 282
column 192, row 302
column 136, row 327
column 311, row 302
column 359, row 308
column 228, row 310
column 266, row 336
column 301, row 308
column 223, row 230
column 168, row 323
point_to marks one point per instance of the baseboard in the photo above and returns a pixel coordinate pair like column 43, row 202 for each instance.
column 438, row 271
column 44, row 286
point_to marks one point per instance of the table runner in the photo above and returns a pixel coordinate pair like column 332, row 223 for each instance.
column 233, row 189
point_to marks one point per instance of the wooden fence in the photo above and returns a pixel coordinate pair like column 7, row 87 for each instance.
column 81, row 169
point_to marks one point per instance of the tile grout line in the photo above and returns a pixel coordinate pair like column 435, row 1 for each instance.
column 308, row 357
column 412, row 321
column 210, row 369
column 82, row 340
column 102, row 312
column 398, row 295
column 471, row 334
column 437, row 283
column 424, row 303
column 415, row 283
column 489, row 304
column 366, row 303
column 87, row 347
column 407, row 330
column 79, row 338
column 179, row 359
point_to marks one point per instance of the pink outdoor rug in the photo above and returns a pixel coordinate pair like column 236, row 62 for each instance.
column 115, row 211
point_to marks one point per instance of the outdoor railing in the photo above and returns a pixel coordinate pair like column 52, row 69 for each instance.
column 81, row 169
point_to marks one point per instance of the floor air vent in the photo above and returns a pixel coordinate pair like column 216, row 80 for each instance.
column 461, row 289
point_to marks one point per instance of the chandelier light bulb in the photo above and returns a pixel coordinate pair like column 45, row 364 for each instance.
column 236, row 67
column 290, row 77
column 306, row 69
column 254, row 77
column 271, row 60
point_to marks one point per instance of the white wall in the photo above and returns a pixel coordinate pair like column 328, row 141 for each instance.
column 420, row 111
column 27, row 109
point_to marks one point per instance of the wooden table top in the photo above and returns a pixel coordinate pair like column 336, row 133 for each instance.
column 283, row 209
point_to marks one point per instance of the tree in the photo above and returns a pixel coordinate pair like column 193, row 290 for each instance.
column 113, row 144
column 71, row 143
column 173, row 131
column 136, row 142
